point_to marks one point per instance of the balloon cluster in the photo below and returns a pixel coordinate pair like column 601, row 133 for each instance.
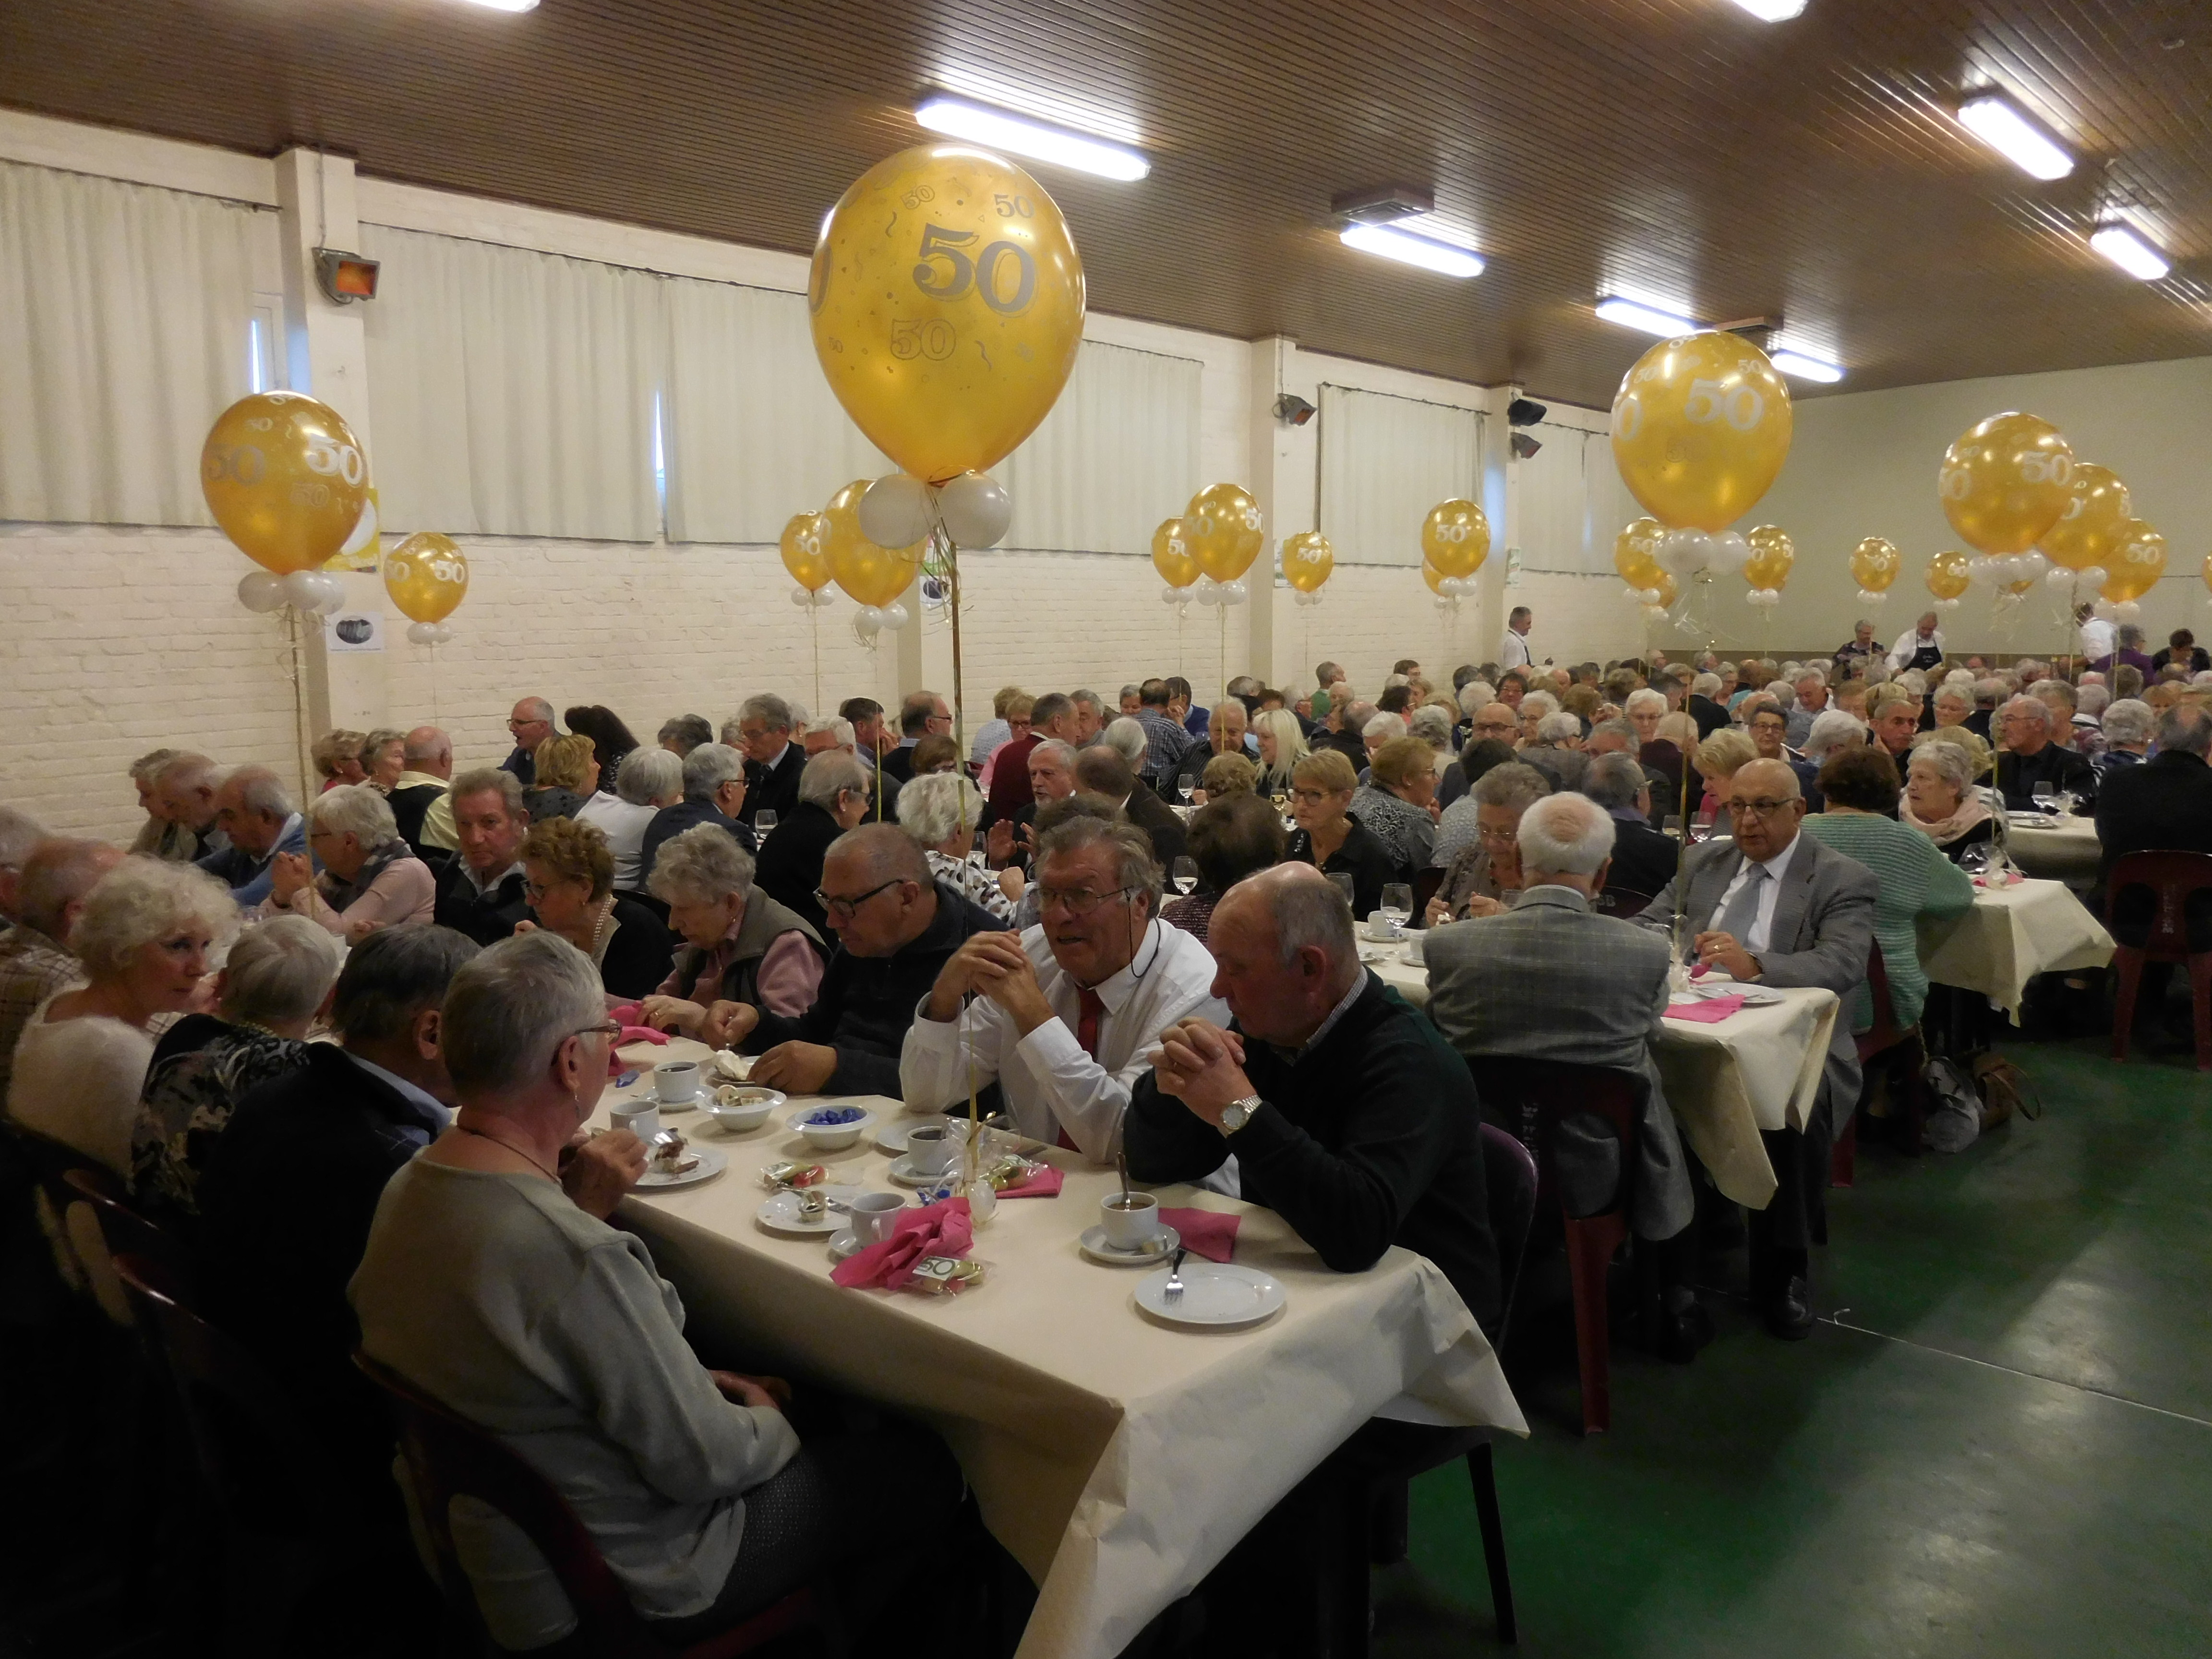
column 1308, row 559
column 311, row 593
column 1454, row 542
column 286, row 479
column 1875, row 562
column 1203, row 554
column 1773, row 554
column 427, row 577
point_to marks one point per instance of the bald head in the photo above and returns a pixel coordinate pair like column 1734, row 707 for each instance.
column 56, row 877
column 1285, row 951
column 428, row 750
column 879, row 852
column 1766, row 806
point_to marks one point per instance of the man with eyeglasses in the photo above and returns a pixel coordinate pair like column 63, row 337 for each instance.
column 2027, row 757
column 1494, row 722
column 1064, row 1016
column 1773, row 907
column 1769, row 728
column 896, row 927
column 529, row 724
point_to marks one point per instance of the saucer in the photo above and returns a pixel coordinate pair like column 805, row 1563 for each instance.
column 780, row 1214
column 906, row 1174
column 711, row 1163
column 843, row 1245
column 1093, row 1245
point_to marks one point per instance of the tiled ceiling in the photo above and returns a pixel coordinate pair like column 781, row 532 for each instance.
column 1809, row 170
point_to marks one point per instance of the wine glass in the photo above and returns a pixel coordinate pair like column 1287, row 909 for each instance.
column 1672, row 825
column 1397, row 906
column 1184, row 786
column 1282, row 799
column 1184, row 876
column 763, row 823
column 2046, row 797
column 1342, row 880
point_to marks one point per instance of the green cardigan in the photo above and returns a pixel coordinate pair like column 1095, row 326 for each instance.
column 1916, row 880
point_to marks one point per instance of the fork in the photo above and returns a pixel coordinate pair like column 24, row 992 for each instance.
column 1172, row 1293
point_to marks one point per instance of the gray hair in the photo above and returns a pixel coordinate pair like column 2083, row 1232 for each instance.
column 1704, row 685
column 539, row 710
column 2058, row 688
column 18, row 833
column 1811, row 671
column 830, row 774
column 57, row 873
column 490, row 781
column 710, row 766
column 689, row 730
column 1540, row 700
column 1090, row 700
column 1064, row 752
column 1834, row 729
column 357, row 809
column 1643, row 697
column 511, row 1007
column 1514, row 784
column 1947, row 761
column 2185, row 728
column 1473, row 695
column 2094, row 699
column 1565, row 836
column 2130, row 720
column 280, row 970
column 425, row 743
column 700, row 867
column 1385, row 726
column 933, row 807
column 1554, row 727
column 142, row 899
column 1620, row 726
column 842, row 735
column 146, row 768
column 2130, row 636
column 1125, row 736
column 766, row 707
column 392, row 977
column 647, row 774
column 1961, row 695
column 260, row 792
column 1222, row 709
column 1613, row 780
column 1134, row 865
column 2035, row 708
column 1434, row 727
column 1311, row 913
column 1132, row 689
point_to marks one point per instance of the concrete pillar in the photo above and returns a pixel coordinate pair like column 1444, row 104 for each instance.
column 1286, row 472
column 1501, row 502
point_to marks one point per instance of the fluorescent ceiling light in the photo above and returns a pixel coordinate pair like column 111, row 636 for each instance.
column 1408, row 248
column 962, row 117
column 2129, row 253
column 1806, row 369
column 505, row 5
column 1648, row 318
column 1773, row 11
column 1998, row 122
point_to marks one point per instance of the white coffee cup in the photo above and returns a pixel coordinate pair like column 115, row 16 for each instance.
column 675, row 1081
column 640, row 1117
column 874, row 1216
column 931, row 1149
column 1417, row 946
column 1132, row 1228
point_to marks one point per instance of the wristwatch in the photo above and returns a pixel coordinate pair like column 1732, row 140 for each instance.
column 1238, row 1113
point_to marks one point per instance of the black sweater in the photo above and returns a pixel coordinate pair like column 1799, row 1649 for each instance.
column 867, row 1003
column 1370, row 1139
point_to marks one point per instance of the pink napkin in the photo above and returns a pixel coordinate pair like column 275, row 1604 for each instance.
column 1045, row 1183
column 939, row 1230
column 1711, row 1011
column 1208, row 1233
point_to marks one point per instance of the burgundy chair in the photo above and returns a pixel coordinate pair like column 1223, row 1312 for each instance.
column 449, row 1456
column 2174, row 877
column 1885, row 1036
column 122, row 1228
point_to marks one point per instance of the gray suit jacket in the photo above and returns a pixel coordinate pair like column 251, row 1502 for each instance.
column 1550, row 980
column 1822, row 934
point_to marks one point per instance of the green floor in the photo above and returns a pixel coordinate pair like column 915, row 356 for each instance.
column 2002, row 1446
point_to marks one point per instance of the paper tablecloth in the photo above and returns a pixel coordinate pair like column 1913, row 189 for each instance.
column 2012, row 934
column 1116, row 1459
column 2068, row 850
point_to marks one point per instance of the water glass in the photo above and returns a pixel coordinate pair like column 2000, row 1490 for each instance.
column 1342, row 880
column 1397, row 904
column 763, row 823
column 1183, row 874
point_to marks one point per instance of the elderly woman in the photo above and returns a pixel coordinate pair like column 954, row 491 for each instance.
column 567, row 776
column 143, row 938
column 1282, row 746
column 1556, row 750
column 1125, row 737
column 647, row 781
column 1231, row 838
column 275, row 981
column 383, row 758
column 1433, row 725
column 1861, row 787
column 1484, row 878
column 1718, row 760
column 1941, row 801
column 371, row 878
column 336, row 756
column 1954, row 704
column 940, row 810
column 833, row 797
column 935, row 753
column 1225, row 776
column 740, row 945
column 1533, row 708
column 2128, row 724
column 1016, row 714
column 568, row 878
column 492, row 1283
column 1456, row 829
column 1398, row 801
column 1330, row 838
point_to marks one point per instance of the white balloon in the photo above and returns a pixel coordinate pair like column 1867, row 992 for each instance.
column 867, row 622
column 895, row 616
column 1868, row 596
column 824, row 598
column 261, row 591
column 302, row 591
column 2033, row 563
column 894, row 511
column 1234, row 593
column 1209, row 591
column 422, row 633
column 445, row 632
column 1651, row 596
column 2094, row 577
column 333, row 598
column 2127, row 611
column 1686, row 551
column 976, row 510
column 2060, row 577
column 801, row 597
column 1730, row 551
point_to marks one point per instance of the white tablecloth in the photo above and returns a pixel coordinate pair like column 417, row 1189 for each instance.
column 2063, row 848
column 1758, row 1069
column 2012, row 934
column 1118, row 1460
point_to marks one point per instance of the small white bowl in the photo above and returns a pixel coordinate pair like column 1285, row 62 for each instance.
column 832, row 1137
column 738, row 1108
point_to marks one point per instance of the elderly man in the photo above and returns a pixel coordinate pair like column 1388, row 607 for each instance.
column 1706, row 705
column 1514, row 650
column 256, row 817
column 1225, row 735
column 1347, row 1114
column 896, row 927
column 1893, row 714
column 35, row 961
column 1857, row 652
column 773, row 762
column 833, row 797
column 1773, row 907
column 1065, row 1015
column 1811, row 685
column 1553, row 979
column 1769, row 728
column 1101, row 771
column 1165, row 741
column 713, row 792
column 680, row 733
column 921, row 713
column 1642, row 860
column 2029, row 757
column 420, row 802
column 530, row 723
column 1923, row 648
column 1051, row 768
column 20, row 833
column 480, row 894
column 184, row 790
column 742, row 943
column 1090, row 717
column 1052, row 720
column 1556, row 749
column 1491, row 722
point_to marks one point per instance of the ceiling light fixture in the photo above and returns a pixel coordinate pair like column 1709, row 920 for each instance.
column 963, row 117
column 2129, row 253
column 1393, row 242
column 1647, row 318
column 1798, row 365
column 1773, row 11
column 506, row 5
column 2000, row 124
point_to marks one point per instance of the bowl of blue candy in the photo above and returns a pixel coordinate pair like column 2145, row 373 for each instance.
column 832, row 1129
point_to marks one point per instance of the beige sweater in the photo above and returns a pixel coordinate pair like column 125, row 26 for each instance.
column 78, row 1080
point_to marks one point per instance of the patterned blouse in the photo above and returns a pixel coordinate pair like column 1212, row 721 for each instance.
column 202, row 1069
column 979, row 886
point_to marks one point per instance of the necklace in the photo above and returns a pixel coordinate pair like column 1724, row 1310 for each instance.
column 517, row 1150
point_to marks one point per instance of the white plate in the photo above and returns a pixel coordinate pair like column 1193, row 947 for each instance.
column 1093, row 1245
column 906, row 1174
column 711, row 1163
column 780, row 1214
column 1216, row 1295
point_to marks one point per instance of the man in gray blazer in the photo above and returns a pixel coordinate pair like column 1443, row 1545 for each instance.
column 1775, row 908
column 1550, row 979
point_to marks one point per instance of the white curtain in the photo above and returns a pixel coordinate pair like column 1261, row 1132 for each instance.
column 1118, row 453
column 125, row 317
column 1572, row 503
column 753, row 433
column 1385, row 461
column 511, row 392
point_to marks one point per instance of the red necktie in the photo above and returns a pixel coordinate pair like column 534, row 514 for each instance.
column 1088, row 1008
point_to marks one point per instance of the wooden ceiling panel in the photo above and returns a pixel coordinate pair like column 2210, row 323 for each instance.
column 1809, row 169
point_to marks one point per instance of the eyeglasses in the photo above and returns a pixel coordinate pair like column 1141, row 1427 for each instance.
column 517, row 725
column 1758, row 809
column 1076, row 901
column 535, row 890
column 1311, row 797
column 1496, row 837
column 1493, row 725
column 844, row 908
column 608, row 1029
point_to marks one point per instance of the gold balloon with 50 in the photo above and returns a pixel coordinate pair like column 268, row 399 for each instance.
column 1455, row 538
column 2005, row 481
column 1225, row 530
column 2088, row 529
column 1947, row 576
column 1874, row 564
column 285, row 478
column 1307, row 559
column 1171, row 558
column 1701, row 426
column 428, row 577
column 805, row 547
column 2140, row 563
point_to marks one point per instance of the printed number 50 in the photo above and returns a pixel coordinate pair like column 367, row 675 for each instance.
column 1741, row 406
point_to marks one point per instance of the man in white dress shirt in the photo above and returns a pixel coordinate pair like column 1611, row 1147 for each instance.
column 1065, row 1016
column 1513, row 653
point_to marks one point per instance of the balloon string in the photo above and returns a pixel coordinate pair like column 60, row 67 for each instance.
column 295, row 670
column 814, row 622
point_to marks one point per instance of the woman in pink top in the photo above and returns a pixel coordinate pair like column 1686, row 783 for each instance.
column 740, row 946
column 371, row 878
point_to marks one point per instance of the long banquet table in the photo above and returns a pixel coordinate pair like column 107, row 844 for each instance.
column 1117, row 1459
